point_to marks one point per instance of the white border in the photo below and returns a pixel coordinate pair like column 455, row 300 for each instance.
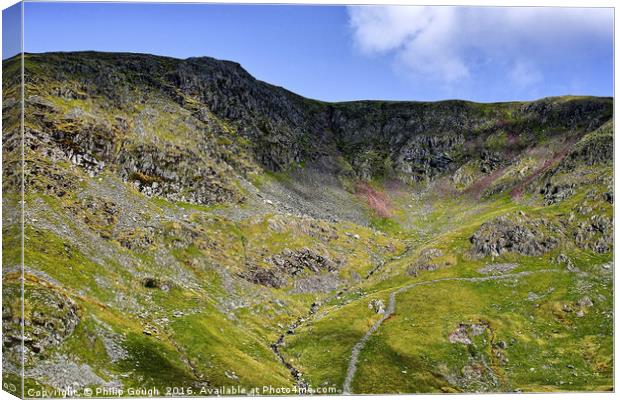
column 553, row 3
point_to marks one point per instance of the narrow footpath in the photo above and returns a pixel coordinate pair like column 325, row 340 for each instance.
column 346, row 388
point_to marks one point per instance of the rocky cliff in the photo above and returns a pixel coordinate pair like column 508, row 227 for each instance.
column 182, row 128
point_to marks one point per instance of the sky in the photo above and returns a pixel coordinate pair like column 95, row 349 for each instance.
column 11, row 31
column 337, row 53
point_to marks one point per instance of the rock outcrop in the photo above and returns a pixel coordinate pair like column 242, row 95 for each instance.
column 49, row 319
column 596, row 234
column 295, row 262
column 503, row 235
column 292, row 263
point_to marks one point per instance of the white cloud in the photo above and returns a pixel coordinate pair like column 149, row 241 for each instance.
column 379, row 29
column 434, row 50
column 448, row 44
column 524, row 75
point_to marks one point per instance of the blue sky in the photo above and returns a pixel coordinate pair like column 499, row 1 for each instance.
column 11, row 30
column 347, row 53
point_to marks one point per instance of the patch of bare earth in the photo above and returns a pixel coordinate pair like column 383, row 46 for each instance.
column 376, row 200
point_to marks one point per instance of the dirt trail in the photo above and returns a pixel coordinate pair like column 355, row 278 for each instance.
column 346, row 388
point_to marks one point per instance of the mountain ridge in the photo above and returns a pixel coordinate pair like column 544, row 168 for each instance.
column 287, row 129
column 239, row 65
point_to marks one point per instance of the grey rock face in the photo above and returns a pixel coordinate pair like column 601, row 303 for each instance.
column 274, row 118
column 595, row 234
column 295, row 262
column 503, row 235
column 556, row 193
column 263, row 276
column 490, row 161
column 426, row 156
column 305, row 265
column 176, row 174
